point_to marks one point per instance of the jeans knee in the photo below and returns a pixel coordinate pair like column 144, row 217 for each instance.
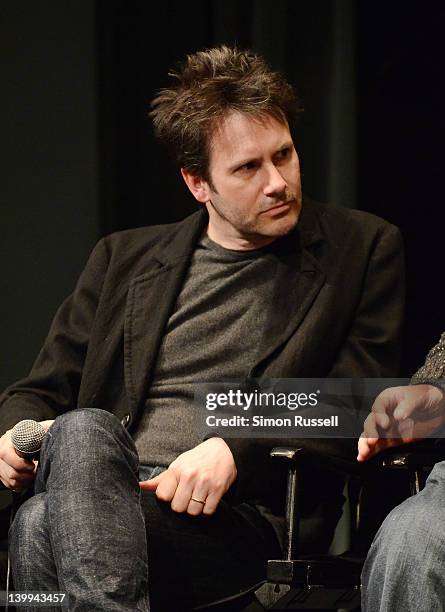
column 81, row 442
column 395, row 528
column 404, row 566
column 87, row 419
column 411, row 532
column 87, row 427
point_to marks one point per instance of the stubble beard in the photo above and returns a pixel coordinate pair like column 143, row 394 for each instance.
column 282, row 225
column 257, row 228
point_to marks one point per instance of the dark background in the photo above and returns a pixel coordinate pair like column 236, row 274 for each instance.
column 79, row 159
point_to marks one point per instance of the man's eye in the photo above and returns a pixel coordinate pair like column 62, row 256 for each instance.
column 284, row 153
column 247, row 166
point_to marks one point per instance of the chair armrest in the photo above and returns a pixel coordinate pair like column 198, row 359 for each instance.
column 295, row 456
column 416, row 455
column 415, row 458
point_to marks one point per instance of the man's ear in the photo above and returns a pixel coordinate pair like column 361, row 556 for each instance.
column 197, row 185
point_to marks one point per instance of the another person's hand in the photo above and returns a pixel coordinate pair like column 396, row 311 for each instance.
column 196, row 480
column 401, row 415
column 17, row 473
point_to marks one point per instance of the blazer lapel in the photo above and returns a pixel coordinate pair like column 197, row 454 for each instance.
column 151, row 298
column 298, row 281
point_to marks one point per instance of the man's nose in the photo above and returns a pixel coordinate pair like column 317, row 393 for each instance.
column 274, row 182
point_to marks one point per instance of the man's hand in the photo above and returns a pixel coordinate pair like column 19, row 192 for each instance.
column 17, row 473
column 196, row 480
column 400, row 415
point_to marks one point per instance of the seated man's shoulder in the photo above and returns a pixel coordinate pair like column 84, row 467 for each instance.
column 151, row 235
column 336, row 220
column 131, row 252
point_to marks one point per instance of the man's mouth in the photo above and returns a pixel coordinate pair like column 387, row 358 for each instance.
column 279, row 207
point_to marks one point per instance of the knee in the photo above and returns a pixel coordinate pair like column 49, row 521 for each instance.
column 399, row 530
column 88, row 426
column 405, row 562
column 86, row 420
column 413, row 532
column 86, row 435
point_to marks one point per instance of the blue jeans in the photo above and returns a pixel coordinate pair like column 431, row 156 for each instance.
column 86, row 529
column 405, row 566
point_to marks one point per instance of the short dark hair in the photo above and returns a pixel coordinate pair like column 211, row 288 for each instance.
column 209, row 85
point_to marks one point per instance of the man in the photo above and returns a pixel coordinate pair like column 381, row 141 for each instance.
column 259, row 283
column 405, row 567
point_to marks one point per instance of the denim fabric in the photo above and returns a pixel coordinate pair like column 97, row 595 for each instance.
column 405, row 567
column 85, row 530
column 150, row 471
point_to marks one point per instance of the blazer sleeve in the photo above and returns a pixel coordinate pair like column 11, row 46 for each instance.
column 53, row 384
column 372, row 346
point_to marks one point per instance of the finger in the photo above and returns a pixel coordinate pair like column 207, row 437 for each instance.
column 406, row 429
column 376, row 425
column 212, row 503
column 372, row 443
column 18, row 486
column 198, row 500
column 385, row 402
column 19, row 464
column 151, row 484
column 8, row 473
column 405, row 409
column 382, row 421
column 363, row 449
column 378, row 444
column 184, row 493
column 15, row 480
column 370, row 427
column 167, row 486
column 196, row 506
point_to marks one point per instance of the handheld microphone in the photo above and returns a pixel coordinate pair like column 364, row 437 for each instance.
column 27, row 437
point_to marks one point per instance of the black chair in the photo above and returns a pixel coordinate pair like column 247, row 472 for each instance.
column 332, row 582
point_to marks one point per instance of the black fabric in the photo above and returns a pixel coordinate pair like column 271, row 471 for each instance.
column 198, row 560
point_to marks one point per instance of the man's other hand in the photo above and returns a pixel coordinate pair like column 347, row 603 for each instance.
column 401, row 415
column 196, row 480
column 17, row 473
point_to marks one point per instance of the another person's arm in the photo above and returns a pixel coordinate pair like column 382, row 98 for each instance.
column 404, row 414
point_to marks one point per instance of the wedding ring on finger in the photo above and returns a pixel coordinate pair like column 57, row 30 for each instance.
column 198, row 501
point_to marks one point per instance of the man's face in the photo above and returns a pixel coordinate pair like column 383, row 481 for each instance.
column 255, row 195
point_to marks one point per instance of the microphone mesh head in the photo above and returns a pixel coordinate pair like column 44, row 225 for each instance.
column 27, row 436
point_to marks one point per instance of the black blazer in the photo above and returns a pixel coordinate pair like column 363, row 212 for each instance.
column 337, row 312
